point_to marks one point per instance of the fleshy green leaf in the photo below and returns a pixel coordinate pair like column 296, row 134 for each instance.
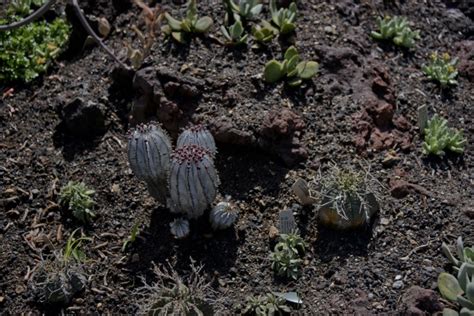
column 203, row 24
column 449, row 287
column 273, row 71
column 307, row 69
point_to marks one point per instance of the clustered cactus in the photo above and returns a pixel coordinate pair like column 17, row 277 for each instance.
column 442, row 69
column 396, row 29
column 185, row 180
column 292, row 68
column 440, row 138
column 460, row 288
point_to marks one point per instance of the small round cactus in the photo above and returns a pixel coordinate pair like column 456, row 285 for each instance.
column 193, row 180
column 197, row 135
column 223, row 215
column 180, row 228
column 149, row 150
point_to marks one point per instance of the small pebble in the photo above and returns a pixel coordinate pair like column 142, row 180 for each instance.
column 397, row 284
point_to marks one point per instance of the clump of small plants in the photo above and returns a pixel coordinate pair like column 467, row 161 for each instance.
column 459, row 288
column 244, row 9
column 57, row 281
column 235, row 34
column 442, row 69
column 283, row 18
column 286, row 256
column 292, row 69
column 28, row 51
column 191, row 24
column 439, row 138
column 264, row 32
column 171, row 294
column 264, row 305
column 76, row 197
column 396, row 30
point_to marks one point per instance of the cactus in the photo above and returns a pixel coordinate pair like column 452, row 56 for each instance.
column 223, row 215
column 193, row 180
column 180, row 228
column 197, row 135
column 149, row 150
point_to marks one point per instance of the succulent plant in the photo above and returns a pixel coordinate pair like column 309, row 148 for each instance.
column 192, row 23
column 286, row 257
column 197, row 135
column 180, row 228
column 442, row 69
column 439, row 138
column 292, row 68
column 397, row 30
column 283, row 18
column 78, row 199
column 193, row 180
column 460, row 289
column 264, row 33
column 265, row 305
column 223, row 215
column 234, row 35
column 245, row 9
column 149, row 150
column 465, row 254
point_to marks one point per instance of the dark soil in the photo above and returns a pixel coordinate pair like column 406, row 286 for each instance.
column 361, row 106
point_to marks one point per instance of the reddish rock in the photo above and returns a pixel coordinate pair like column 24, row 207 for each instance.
column 465, row 53
column 402, row 123
column 278, row 123
column 384, row 114
column 225, row 132
column 381, row 140
column 418, row 301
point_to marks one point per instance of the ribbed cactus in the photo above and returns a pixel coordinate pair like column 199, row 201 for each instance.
column 197, row 135
column 180, row 228
column 149, row 150
column 193, row 180
column 223, row 215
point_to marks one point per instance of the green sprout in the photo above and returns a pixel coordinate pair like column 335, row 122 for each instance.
column 442, row 69
column 265, row 305
column 396, row 29
column 245, row 9
column 191, row 24
column 133, row 236
column 264, row 33
column 73, row 248
column 286, row 257
column 234, row 35
column 439, row 138
column 283, row 18
column 78, row 199
column 292, row 68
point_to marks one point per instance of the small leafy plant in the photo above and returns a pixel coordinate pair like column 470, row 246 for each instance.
column 442, row 69
column 235, row 34
column 440, row 138
column 286, row 257
column 245, row 9
column 132, row 237
column 73, row 248
column 191, row 24
column 265, row 305
column 78, row 199
column 264, row 32
column 397, row 30
column 23, row 7
column 292, row 68
column 283, row 18
column 460, row 288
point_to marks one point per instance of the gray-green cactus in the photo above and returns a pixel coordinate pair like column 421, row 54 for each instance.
column 180, row 228
column 197, row 135
column 193, row 180
column 149, row 150
column 223, row 215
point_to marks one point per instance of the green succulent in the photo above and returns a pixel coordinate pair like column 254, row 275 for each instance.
column 23, row 7
column 266, row 305
column 264, row 32
column 78, row 199
column 286, row 256
column 245, row 9
column 283, row 18
column 439, row 138
column 294, row 242
column 396, row 29
column 442, row 69
column 292, row 68
column 465, row 254
column 191, row 24
column 234, row 35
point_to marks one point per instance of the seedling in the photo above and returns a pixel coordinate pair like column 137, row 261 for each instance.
column 191, row 24
column 264, row 32
column 133, row 236
column 283, row 18
column 245, row 9
column 73, row 248
column 440, row 138
column 234, row 35
column 442, row 69
column 292, row 68
column 265, row 305
column 286, row 257
column 78, row 199
column 397, row 30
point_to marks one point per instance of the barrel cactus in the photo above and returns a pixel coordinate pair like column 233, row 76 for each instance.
column 193, row 180
column 197, row 135
column 149, row 150
column 180, row 228
column 223, row 215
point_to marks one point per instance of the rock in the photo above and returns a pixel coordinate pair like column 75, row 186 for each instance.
column 399, row 188
column 465, row 53
column 273, row 232
column 383, row 114
column 281, row 123
column 84, row 118
column 225, row 132
column 397, row 284
column 419, row 301
column 402, row 123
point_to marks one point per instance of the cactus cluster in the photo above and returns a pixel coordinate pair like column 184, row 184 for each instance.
column 184, row 179
column 397, row 30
